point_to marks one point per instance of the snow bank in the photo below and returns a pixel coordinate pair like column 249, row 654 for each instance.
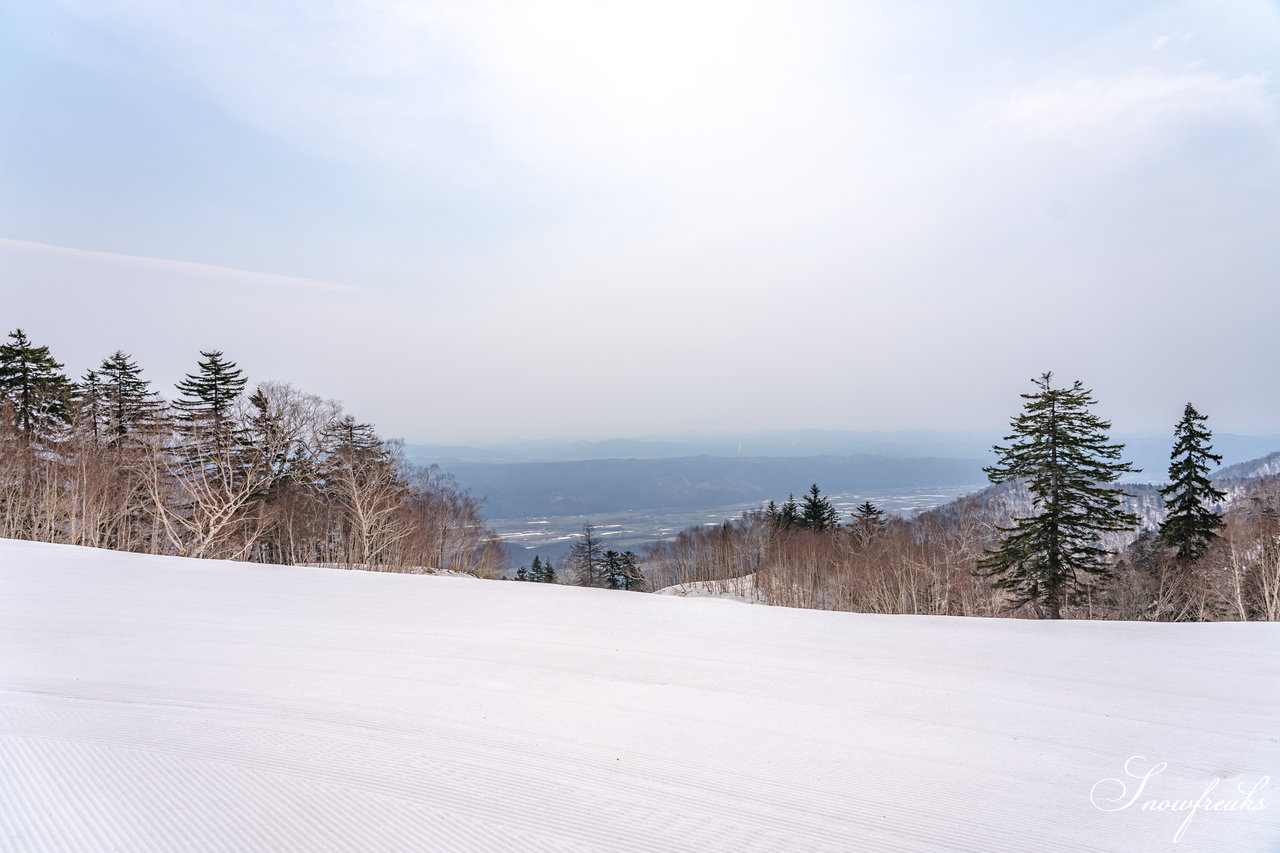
column 734, row 589
column 160, row 704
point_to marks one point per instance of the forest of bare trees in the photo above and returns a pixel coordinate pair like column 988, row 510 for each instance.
column 926, row 565
column 271, row 474
column 1057, row 534
column 922, row 566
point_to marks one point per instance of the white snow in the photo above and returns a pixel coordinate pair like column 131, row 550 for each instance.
column 732, row 589
column 161, row 704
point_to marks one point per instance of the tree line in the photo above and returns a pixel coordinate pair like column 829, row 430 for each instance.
column 225, row 470
column 1202, row 561
column 590, row 563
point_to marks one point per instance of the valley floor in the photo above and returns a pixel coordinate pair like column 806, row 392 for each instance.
column 162, row 704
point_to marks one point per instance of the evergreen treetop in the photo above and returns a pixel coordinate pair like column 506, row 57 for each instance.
column 867, row 520
column 36, row 390
column 206, row 399
column 816, row 511
column 785, row 516
column 119, row 400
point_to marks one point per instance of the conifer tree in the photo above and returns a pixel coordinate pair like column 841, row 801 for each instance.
column 622, row 572
column 205, row 405
column 522, row 574
column 124, row 403
column 541, row 572
column 1062, row 452
column 90, row 406
column 867, row 521
column 788, row 514
column 586, row 558
column 37, row 393
column 816, row 511
column 1190, row 526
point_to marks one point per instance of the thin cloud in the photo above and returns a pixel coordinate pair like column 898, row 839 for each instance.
column 180, row 267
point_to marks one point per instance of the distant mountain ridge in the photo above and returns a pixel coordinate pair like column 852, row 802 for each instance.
column 761, row 443
column 533, row 489
column 696, row 470
column 1149, row 451
column 1265, row 466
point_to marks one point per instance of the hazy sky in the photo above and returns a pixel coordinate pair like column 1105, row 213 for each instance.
column 483, row 220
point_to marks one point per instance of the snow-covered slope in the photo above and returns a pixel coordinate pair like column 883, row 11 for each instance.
column 165, row 704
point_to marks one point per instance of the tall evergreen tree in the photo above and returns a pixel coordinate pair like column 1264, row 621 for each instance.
column 206, row 399
column 1061, row 450
column 91, row 407
column 816, row 511
column 125, row 403
column 1190, row 525
column 37, row 393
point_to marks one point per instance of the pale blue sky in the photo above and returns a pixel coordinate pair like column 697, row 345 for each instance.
column 484, row 220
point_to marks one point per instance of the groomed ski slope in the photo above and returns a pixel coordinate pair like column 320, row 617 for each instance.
column 162, row 704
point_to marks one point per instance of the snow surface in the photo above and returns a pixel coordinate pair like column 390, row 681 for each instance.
column 741, row 589
column 162, row 704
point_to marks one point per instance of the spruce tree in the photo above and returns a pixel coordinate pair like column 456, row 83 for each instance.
column 541, row 571
column 816, row 511
column 788, row 514
column 350, row 439
column 37, row 393
column 622, row 572
column 206, row 400
column 125, row 403
column 867, row 521
column 1189, row 525
column 1062, row 452
column 90, row 406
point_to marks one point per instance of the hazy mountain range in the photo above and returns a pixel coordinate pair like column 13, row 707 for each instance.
column 693, row 470
column 523, row 489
